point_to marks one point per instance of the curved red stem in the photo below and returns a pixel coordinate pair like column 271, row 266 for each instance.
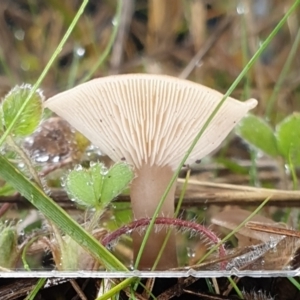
column 110, row 237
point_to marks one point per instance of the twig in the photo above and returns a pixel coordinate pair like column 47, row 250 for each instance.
column 117, row 51
column 206, row 47
column 195, row 197
column 229, row 186
column 47, row 170
column 78, row 290
column 272, row 229
column 4, row 208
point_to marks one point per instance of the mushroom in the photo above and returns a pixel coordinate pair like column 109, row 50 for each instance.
column 150, row 121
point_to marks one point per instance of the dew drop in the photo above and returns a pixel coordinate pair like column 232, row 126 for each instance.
column 190, row 252
column 104, row 171
column 241, row 8
column 114, row 21
column 93, row 163
column 80, row 51
column 78, row 168
column 56, row 159
column 19, row 34
column 21, row 165
column 41, row 158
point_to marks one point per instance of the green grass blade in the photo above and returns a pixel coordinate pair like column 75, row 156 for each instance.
column 235, row 287
column 234, row 231
column 290, row 59
column 230, row 90
column 36, row 289
column 110, row 43
column 57, row 215
column 294, row 282
column 116, row 289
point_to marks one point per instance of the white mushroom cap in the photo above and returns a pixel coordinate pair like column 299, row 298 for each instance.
column 149, row 119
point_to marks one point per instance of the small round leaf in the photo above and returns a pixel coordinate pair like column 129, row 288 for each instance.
column 84, row 185
column 258, row 134
column 30, row 117
column 288, row 138
column 8, row 246
column 117, row 179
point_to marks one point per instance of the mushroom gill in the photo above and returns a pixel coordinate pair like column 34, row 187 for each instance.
column 150, row 120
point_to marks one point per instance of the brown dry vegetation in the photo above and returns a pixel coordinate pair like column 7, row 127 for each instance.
column 205, row 41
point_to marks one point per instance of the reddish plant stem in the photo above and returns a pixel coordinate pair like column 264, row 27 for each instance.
column 200, row 229
column 4, row 208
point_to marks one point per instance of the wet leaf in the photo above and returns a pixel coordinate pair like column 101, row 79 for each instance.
column 57, row 215
column 258, row 134
column 8, row 246
column 6, row 190
column 288, row 138
column 84, row 185
column 30, row 117
column 116, row 180
column 232, row 166
column 72, row 256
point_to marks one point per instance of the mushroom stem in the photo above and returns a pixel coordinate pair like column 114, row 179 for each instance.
column 146, row 191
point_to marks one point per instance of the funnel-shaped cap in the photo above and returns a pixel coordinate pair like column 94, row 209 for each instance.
column 149, row 119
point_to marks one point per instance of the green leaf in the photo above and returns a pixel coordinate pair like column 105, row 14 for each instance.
column 258, row 134
column 84, row 185
column 6, row 190
column 288, row 138
column 8, row 246
column 232, row 166
column 30, row 117
column 57, row 215
column 71, row 255
column 116, row 180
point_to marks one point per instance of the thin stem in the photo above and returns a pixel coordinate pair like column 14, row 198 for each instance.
column 212, row 115
column 149, row 293
column 235, row 287
column 244, row 44
column 110, row 43
column 25, row 264
column 45, row 71
column 181, row 224
column 293, row 173
column 116, row 289
column 294, row 282
column 73, row 69
column 253, row 169
column 11, row 142
column 95, row 219
column 209, row 286
column 184, row 188
column 36, row 289
column 282, row 76
column 78, row 290
column 234, row 231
